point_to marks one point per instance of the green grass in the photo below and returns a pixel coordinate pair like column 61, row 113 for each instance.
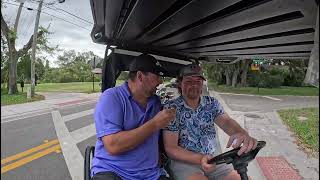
column 283, row 90
column 82, row 87
column 307, row 131
column 17, row 98
column 21, row 97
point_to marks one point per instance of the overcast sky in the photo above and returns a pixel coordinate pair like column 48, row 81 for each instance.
column 66, row 29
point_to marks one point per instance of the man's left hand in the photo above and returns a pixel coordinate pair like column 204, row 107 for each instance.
column 249, row 143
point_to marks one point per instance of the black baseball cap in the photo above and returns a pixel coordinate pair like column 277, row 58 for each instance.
column 147, row 63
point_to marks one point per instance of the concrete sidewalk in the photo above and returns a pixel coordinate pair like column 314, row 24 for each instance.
column 281, row 158
column 53, row 100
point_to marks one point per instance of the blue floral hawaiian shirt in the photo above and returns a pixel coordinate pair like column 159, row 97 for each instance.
column 196, row 127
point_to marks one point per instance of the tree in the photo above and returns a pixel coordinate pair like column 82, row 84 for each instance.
column 244, row 71
column 236, row 71
column 4, row 60
column 47, row 66
column 77, row 66
column 14, row 54
column 227, row 73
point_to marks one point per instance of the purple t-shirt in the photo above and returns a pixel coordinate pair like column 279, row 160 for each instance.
column 117, row 111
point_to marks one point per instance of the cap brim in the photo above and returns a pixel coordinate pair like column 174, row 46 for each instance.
column 196, row 75
column 161, row 71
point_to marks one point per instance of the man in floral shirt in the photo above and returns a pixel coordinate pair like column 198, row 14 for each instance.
column 190, row 139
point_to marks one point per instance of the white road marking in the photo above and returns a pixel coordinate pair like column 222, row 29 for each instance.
column 70, row 151
column 77, row 115
column 272, row 98
column 23, row 117
column 84, row 133
column 268, row 97
column 37, row 113
column 237, row 94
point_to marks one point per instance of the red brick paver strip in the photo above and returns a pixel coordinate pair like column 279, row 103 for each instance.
column 277, row 168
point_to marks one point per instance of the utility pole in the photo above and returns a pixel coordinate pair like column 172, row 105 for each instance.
column 94, row 66
column 18, row 16
column 34, row 45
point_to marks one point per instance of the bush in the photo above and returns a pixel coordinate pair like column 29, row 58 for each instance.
column 253, row 80
column 294, row 79
column 273, row 81
column 265, row 79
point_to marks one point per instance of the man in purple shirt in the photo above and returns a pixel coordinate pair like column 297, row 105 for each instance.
column 128, row 119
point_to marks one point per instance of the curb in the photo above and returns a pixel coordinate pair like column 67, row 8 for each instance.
column 26, row 114
column 32, row 113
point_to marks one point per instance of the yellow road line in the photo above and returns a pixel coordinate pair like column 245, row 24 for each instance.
column 27, row 152
column 29, row 158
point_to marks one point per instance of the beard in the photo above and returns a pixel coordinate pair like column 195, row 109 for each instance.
column 193, row 93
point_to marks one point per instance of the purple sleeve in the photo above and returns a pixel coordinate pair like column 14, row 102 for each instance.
column 108, row 114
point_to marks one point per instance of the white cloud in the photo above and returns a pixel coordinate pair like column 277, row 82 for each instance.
column 65, row 34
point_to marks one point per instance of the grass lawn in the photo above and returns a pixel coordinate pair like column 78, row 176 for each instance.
column 83, row 87
column 283, row 90
column 18, row 98
column 306, row 131
column 21, row 97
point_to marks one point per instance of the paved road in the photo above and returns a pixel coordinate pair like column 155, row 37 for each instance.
column 31, row 147
column 51, row 145
column 267, row 103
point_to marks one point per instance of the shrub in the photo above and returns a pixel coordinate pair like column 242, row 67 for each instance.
column 253, row 80
column 273, row 81
column 265, row 79
column 294, row 79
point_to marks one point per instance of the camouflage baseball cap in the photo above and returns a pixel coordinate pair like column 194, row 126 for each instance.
column 192, row 70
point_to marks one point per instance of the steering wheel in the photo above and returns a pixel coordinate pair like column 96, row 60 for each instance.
column 239, row 163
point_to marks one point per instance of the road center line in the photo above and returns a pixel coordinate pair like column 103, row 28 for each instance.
column 29, row 158
column 29, row 151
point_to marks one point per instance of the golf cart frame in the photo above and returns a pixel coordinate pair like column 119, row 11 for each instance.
column 179, row 32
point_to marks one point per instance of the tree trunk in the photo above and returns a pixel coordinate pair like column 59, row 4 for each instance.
column 12, row 72
column 244, row 72
column 235, row 77
column 228, row 79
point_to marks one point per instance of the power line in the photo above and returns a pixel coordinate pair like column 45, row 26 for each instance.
column 78, row 17
column 70, row 14
column 66, row 21
column 52, row 16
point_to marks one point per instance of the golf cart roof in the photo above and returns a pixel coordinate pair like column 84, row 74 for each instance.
column 207, row 30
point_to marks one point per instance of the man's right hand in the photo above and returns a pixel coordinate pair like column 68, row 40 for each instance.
column 205, row 166
column 164, row 117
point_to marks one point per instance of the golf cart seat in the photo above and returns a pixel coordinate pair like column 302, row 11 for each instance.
column 89, row 154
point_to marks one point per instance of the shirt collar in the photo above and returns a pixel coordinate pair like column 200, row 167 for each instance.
column 126, row 89
column 183, row 103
